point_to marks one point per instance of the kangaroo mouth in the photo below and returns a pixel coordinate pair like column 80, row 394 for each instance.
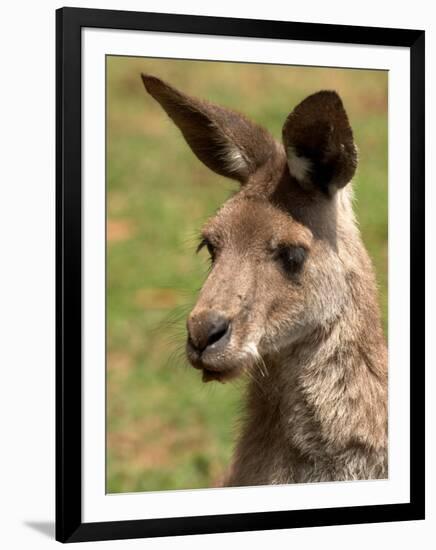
column 214, row 363
column 222, row 376
column 210, row 369
column 210, row 375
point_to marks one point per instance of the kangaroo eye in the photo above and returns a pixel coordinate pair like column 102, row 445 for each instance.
column 205, row 243
column 291, row 258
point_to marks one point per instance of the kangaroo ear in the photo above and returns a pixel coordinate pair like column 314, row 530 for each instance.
column 223, row 140
column 319, row 143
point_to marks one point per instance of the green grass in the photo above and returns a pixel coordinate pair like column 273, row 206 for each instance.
column 167, row 430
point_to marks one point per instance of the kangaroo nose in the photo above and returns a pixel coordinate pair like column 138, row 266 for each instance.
column 207, row 329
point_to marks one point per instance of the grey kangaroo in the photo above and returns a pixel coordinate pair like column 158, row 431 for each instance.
column 291, row 299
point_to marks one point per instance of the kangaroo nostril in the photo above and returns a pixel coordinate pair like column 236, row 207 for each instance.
column 207, row 329
column 217, row 331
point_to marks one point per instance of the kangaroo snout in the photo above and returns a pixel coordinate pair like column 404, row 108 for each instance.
column 208, row 329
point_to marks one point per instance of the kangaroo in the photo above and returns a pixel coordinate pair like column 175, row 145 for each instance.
column 291, row 298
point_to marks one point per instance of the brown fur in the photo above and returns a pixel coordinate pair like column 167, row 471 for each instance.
column 291, row 297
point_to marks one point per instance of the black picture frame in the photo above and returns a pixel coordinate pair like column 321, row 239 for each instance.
column 69, row 525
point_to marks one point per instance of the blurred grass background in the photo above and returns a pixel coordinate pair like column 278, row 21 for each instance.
column 165, row 429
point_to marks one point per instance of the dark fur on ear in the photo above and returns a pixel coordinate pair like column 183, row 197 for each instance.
column 319, row 143
column 222, row 139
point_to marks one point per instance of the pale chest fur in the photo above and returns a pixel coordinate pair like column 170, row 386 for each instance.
column 315, row 421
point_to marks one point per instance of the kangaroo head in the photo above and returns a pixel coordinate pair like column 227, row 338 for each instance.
column 278, row 247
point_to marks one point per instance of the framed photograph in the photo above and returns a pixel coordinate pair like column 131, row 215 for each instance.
column 240, row 275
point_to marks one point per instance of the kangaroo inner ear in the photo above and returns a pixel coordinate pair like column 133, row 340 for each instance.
column 225, row 141
column 319, row 143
